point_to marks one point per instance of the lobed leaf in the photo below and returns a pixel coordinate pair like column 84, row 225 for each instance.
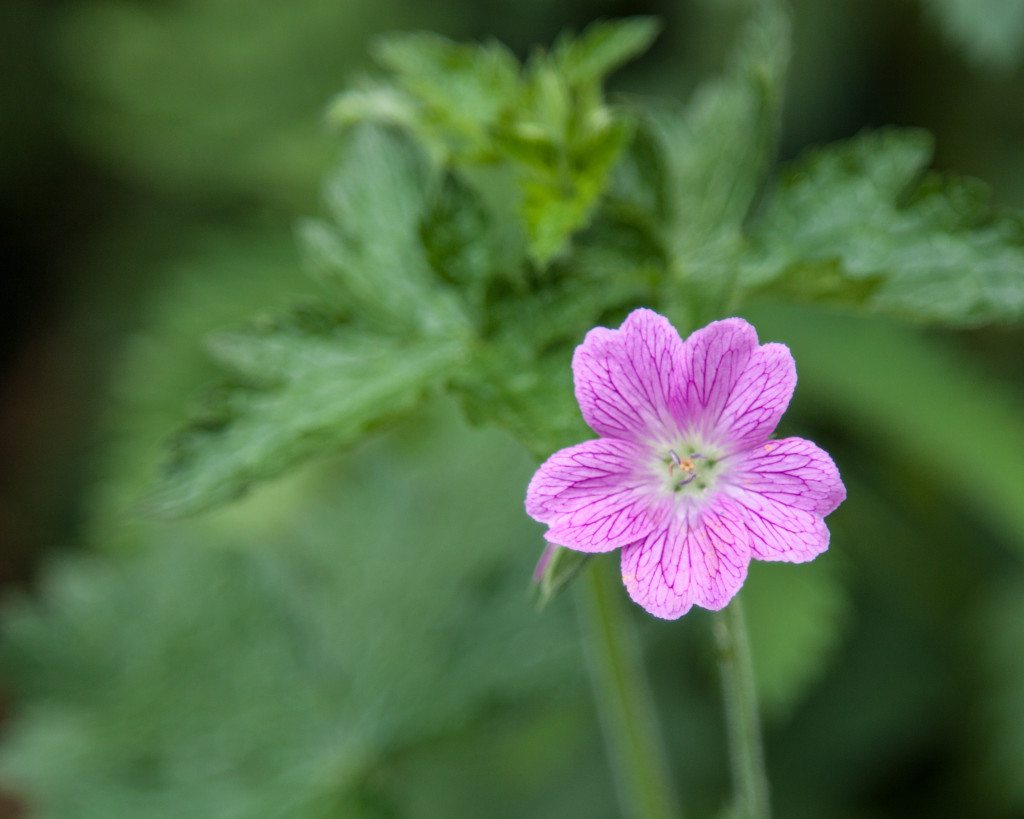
column 475, row 105
column 467, row 245
column 462, row 89
column 718, row 150
column 256, row 673
column 603, row 47
column 371, row 257
column 307, row 385
column 559, row 198
column 864, row 217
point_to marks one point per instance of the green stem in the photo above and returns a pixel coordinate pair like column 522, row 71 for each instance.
column 746, row 751
column 623, row 698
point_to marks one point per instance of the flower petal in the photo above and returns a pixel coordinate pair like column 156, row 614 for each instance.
column 784, row 489
column 779, row 532
column 759, row 398
column 628, row 380
column 699, row 557
column 793, row 472
column 594, row 496
column 714, row 359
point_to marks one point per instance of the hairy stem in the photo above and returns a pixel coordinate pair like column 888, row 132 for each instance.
column 623, row 698
column 743, row 723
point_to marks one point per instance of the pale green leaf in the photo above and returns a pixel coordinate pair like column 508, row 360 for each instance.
column 475, row 105
column 373, row 102
column 563, row 142
column 924, row 247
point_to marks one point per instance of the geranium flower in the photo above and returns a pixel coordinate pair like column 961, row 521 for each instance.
column 684, row 478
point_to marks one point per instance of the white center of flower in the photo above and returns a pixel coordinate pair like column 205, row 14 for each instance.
column 690, row 468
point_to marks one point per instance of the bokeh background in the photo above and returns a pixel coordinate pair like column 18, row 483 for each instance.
column 154, row 157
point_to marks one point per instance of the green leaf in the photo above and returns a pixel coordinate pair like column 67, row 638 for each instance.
column 559, row 199
column 999, row 721
column 475, row 106
column 270, row 674
column 796, row 617
column 521, row 374
column 563, row 141
column 990, row 32
column 926, row 404
column 373, row 102
column 603, row 47
column 467, row 245
column 371, row 256
column 462, row 89
column 863, row 215
column 308, row 385
column 718, row 150
column 233, row 119
column 561, row 567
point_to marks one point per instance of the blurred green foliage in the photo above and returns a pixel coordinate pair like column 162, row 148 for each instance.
column 173, row 94
column 990, row 32
column 356, row 639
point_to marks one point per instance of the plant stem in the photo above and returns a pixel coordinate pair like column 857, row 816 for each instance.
column 623, row 698
column 743, row 723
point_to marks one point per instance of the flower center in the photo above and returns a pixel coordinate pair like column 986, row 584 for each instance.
column 689, row 468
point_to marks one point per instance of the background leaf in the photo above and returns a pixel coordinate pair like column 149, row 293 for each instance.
column 603, row 47
column 926, row 404
column 235, row 677
column 989, row 32
column 795, row 618
column 998, row 733
column 926, row 247
column 718, row 150
column 311, row 385
column 371, row 255
column 462, row 90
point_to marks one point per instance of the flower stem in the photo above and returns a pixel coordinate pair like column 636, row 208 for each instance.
column 623, row 698
column 746, row 750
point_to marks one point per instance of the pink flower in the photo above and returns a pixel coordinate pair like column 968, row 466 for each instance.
column 684, row 477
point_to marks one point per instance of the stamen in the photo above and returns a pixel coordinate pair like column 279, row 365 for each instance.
column 687, row 468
